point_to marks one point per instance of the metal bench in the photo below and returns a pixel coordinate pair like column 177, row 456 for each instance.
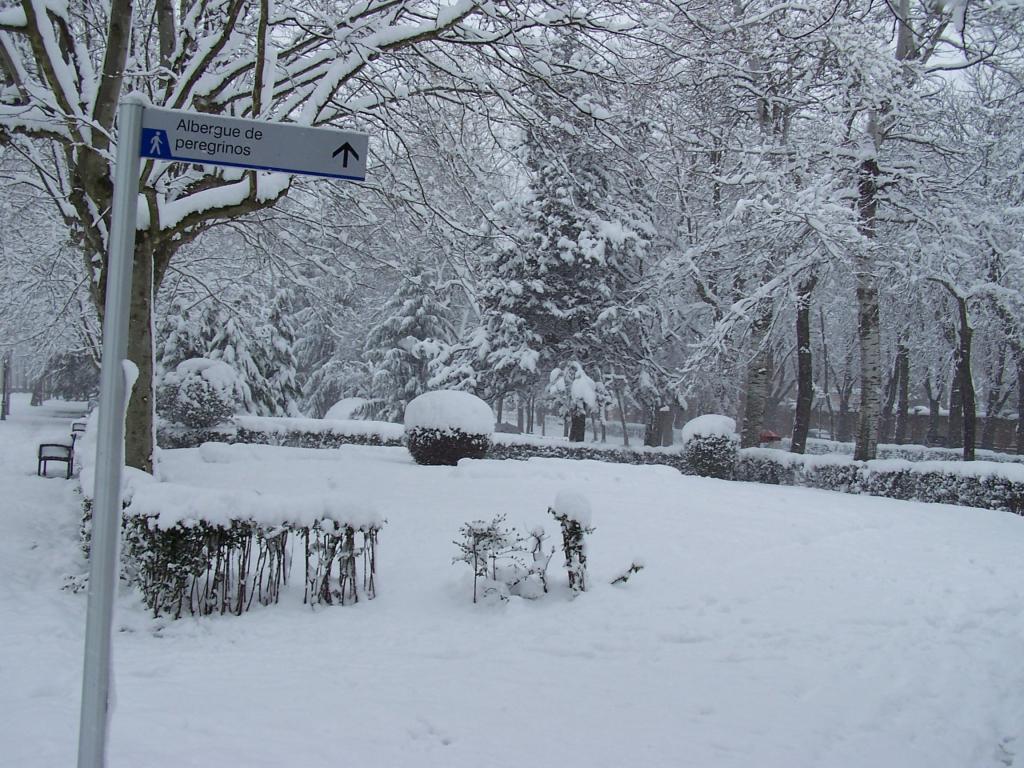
column 56, row 452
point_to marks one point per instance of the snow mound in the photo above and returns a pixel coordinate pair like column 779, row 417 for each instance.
column 218, row 373
column 584, row 390
column 171, row 504
column 217, row 453
column 344, row 408
column 573, row 505
column 709, row 425
column 450, row 409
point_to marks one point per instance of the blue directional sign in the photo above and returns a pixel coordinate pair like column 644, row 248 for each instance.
column 193, row 137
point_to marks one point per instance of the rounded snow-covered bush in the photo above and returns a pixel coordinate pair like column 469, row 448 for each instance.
column 346, row 408
column 199, row 393
column 711, row 446
column 445, row 426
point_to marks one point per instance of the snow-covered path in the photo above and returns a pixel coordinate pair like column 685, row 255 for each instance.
column 41, row 625
column 772, row 627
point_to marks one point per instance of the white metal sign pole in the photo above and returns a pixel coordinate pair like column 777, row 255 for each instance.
column 106, row 508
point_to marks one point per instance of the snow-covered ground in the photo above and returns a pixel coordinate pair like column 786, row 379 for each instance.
column 771, row 627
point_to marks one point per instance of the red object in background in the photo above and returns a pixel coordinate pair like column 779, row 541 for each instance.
column 767, row 436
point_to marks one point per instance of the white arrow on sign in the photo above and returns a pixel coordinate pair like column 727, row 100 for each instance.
column 170, row 134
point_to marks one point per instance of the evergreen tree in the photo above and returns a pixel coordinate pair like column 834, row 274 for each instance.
column 560, row 294
column 228, row 339
column 413, row 329
column 179, row 337
column 282, row 366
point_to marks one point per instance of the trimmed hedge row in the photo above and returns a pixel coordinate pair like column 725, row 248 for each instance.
column 295, row 438
column 897, row 479
column 522, row 451
column 894, row 479
column 501, row 447
column 204, row 568
column 909, row 452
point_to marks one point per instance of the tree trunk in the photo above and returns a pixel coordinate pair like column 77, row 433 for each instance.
column 955, row 422
column 577, row 426
column 652, row 428
column 967, row 396
column 934, row 414
column 891, row 391
column 5, row 387
column 804, row 367
column 996, row 397
column 868, row 319
column 1020, row 404
column 870, row 342
column 665, row 421
column 622, row 416
column 757, row 380
column 988, row 432
column 903, row 399
column 844, row 424
column 825, row 367
column 139, row 439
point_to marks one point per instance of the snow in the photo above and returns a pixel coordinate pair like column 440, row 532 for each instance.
column 584, row 390
column 13, row 17
column 572, row 504
column 268, row 187
column 167, row 504
column 344, row 408
column 216, row 372
column 771, row 627
column 450, row 409
column 708, row 425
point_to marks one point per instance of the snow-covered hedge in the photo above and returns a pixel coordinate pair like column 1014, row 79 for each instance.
column 710, row 443
column 291, row 432
column 991, row 485
column 202, row 551
column 509, row 447
column 445, row 426
column 910, row 452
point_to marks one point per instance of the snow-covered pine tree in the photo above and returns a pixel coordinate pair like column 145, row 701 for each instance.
column 228, row 339
column 576, row 243
column 178, row 336
column 414, row 325
column 282, row 366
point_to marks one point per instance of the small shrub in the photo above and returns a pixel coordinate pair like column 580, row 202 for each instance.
column 710, row 446
column 199, row 394
column 572, row 511
column 494, row 552
column 445, row 446
column 445, row 426
column 329, row 543
column 535, row 583
column 634, row 567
